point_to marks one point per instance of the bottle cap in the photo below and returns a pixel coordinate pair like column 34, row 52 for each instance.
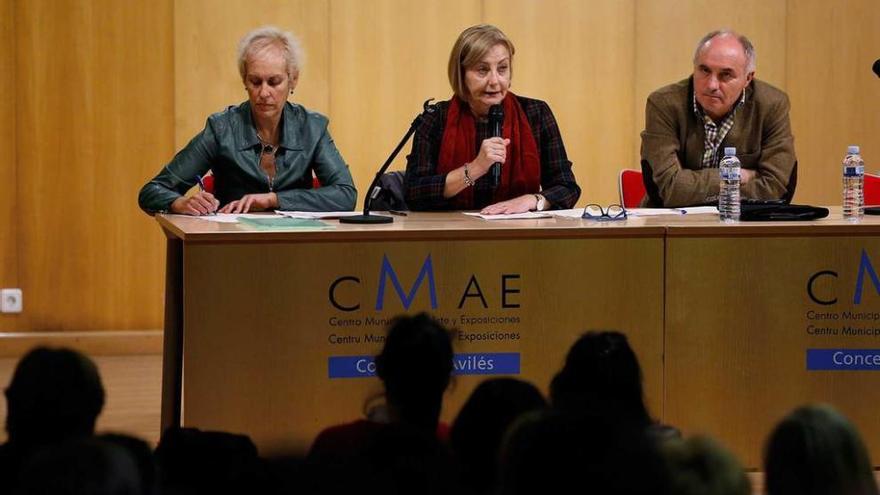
column 852, row 150
column 730, row 151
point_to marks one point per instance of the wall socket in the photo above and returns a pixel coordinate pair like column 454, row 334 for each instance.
column 10, row 300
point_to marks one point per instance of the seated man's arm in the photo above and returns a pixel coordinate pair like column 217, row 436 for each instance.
column 777, row 156
column 677, row 185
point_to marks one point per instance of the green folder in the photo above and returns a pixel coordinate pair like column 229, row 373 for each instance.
column 285, row 223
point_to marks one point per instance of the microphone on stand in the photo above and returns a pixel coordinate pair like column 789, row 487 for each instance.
column 877, row 67
column 496, row 123
column 374, row 188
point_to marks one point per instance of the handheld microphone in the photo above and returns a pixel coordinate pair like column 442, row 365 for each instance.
column 496, row 122
column 877, row 67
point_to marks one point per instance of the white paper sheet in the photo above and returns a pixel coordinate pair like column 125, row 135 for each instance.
column 652, row 212
column 318, row 215
column 511, row 216
column 232, row 217
column 576, row 213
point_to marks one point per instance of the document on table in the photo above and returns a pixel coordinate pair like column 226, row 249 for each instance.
column 511, row 216
column 232, row 217
column 570, row 213
column 575, row 213
column 284, row 223
column 654, row 212
column 325, row 215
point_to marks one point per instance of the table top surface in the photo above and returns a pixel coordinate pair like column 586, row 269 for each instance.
column 457, row 226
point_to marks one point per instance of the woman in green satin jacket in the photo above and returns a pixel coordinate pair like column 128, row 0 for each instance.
column 262, row 152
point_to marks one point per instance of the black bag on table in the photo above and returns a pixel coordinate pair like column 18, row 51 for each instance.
column 776, row 211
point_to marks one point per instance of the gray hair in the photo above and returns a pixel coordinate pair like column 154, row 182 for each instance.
column 261, row 38
column 748, row 48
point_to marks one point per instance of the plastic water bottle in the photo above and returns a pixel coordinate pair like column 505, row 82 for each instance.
column 728, row 197
column 853, row 184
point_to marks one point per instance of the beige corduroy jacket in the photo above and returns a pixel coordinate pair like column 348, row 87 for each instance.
column 673, row 141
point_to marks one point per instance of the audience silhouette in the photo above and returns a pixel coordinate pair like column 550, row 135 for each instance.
column 815, row 450
column 556, row 452
column 480, row 426
column 142, row 455
column 81, row 466
column 191, row 461
column 54, row 395
column 597, row 437
column 415, row 366
column 601, row 376
column 701, row 466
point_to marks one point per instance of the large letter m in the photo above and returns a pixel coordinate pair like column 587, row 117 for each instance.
column 865, row 267
column 387, row 271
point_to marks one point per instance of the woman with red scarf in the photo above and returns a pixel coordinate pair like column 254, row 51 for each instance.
column 453, row 151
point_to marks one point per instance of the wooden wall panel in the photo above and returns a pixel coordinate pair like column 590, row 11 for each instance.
column 8, row 189
column 667, row 32
column 578, row 56
column 206, row 36
column 94, row 90
column 387, row 57
column 835, row 97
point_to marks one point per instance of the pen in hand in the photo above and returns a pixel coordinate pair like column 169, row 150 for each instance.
column 202, row 188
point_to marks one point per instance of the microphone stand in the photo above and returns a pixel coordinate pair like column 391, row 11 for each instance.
column 374, row 188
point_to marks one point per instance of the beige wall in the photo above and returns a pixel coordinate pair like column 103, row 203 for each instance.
column 102, row 93
column 92, row 118
column 8, row 210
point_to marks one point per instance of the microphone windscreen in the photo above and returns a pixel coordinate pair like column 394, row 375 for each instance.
column 877, row 67
column 496, row 119
column 496, row 112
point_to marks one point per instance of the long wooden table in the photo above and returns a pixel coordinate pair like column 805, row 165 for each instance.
column 269, row 333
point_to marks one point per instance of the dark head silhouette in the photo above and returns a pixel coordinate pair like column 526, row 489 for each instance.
column 81, row 466
column 816, row 451
column 601, row 376
column 192, row 461
column 54, row 394
column 554, row 452
column 481, row 424
column 142, row 455
column 700, row 466
column 415, row 366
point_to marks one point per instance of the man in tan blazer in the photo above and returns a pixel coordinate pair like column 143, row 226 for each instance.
column 688, row 124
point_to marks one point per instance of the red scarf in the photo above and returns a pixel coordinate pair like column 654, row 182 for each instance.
column 520, row 174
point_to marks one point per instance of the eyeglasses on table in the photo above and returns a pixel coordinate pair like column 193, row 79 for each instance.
column 608, row 214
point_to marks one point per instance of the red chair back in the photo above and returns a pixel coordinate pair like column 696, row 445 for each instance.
column 630, row 188
column 872, row 190
column 208, row 181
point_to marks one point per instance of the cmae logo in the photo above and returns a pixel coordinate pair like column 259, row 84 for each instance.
column 865, row 268
column 472, row 289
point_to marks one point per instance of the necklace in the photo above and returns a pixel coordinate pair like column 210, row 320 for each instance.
column 266, row 148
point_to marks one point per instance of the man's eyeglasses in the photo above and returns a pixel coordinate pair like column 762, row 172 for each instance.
column 596, row 212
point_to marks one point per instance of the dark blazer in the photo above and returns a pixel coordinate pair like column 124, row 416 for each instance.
column 673, row 143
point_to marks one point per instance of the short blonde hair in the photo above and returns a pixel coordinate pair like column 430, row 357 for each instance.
column 471, row 46
column 262, row 38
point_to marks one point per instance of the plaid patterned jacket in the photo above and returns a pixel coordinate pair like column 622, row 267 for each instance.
column 424, row 186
